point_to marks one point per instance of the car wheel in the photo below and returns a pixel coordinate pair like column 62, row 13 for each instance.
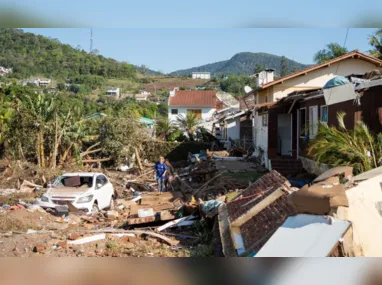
column 95, row 209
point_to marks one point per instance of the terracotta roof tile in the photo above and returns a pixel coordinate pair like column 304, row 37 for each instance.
column 263, row 187
column 194, row 98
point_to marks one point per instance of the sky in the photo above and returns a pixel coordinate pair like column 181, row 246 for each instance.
column 200, row 13
column 168, row 50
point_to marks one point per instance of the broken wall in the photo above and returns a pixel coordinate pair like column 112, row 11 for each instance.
column 365, row 214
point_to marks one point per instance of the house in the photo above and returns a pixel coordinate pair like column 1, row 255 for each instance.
column 201, row 75
column 145, row 92
column 202, row 103
column 5, row 71
column 359, row 98
column 35, row 81
column 113, row 92
column 275, row 135
column 44, row 82
column 141, row 97
column 247, row 222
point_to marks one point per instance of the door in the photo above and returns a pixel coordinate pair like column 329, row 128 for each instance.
column 313, row 121
column 196, row 112
column 104, row 191
column 284, row 134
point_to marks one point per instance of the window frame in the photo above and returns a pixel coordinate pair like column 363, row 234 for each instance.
column 172, row 111
column 327, row 113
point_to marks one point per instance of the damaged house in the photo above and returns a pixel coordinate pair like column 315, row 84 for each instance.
column 275, row 132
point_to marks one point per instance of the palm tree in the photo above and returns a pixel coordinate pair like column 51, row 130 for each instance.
column 342, row 147
column 376, row 42
column 189, row 124
column 331, row 51
column 165, row 129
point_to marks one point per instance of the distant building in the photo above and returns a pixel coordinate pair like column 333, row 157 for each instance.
column 141, row 97
column 4, row 71
column 113, row 92
column 201, row 75
column 37, row 82
column 144, row 92
column 44, row 82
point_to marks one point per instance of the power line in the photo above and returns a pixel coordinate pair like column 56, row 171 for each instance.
column 339, row 63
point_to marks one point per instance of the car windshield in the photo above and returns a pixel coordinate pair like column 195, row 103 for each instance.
column 74, row 181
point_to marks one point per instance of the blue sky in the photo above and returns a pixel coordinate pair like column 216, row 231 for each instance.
column 202, row 13
column 172, row 49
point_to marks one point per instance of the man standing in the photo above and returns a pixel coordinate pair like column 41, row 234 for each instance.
column 161, row 170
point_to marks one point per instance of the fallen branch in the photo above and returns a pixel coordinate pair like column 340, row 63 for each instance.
column 96, row 160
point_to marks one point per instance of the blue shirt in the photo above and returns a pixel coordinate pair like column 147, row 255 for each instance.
column 160, row 169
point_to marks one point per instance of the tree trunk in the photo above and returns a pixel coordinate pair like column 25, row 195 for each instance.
column 41, row 147
column 66, row 153
column 55, row 147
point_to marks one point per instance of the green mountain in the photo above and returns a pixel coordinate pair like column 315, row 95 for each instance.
column 30, row 55
column 245, row 63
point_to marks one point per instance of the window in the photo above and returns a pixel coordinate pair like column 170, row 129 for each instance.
column 303, row 126
column 101, row 180
column 264, row 119
column 174, row 111
column 324, row 114
column 313, row 121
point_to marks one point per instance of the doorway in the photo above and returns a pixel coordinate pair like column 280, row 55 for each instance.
column 196, row 112
column 284, row 134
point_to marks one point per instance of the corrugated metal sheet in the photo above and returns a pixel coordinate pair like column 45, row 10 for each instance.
column 304, row 236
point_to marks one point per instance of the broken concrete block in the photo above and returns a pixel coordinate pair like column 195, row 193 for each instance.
column 112, row 214
column 73, row 236
column 39, row 248
column 62, row 244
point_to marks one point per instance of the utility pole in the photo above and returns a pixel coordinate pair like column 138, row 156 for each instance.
column 91, row 40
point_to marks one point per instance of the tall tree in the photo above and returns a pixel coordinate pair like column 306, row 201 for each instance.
column 331, row 51
column 284, row 70
column 376, row 42
column 259, row 68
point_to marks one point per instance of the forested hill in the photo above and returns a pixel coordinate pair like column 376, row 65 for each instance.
column 245, row 63
column 29, row 54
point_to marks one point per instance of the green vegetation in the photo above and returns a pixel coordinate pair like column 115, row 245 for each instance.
column 284, row 69
column 376, row 42
column 243, row 63
column 235, row 84
column 331, row 51
column 52, row 129
column 342, row 147
column 30, row 55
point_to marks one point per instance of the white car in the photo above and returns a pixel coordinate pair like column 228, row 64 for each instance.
column 86, row 191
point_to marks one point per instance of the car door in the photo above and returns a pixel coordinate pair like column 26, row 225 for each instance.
column 104, row 192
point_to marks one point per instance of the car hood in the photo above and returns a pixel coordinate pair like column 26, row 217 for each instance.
column 67, row 191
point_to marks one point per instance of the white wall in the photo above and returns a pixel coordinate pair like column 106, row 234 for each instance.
column 261, row 135
column 207, row 113
column 233, row 129
column 365, row 214
column 318, row 78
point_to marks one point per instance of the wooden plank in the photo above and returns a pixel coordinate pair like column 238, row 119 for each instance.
column 138, row 159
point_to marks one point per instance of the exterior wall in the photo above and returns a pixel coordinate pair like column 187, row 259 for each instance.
column 318, row 78
column 246, row 131
column 201, row 76
column 233, row 129
column 261, row 135
column 207, row 113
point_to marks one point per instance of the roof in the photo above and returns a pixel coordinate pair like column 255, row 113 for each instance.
column 146, row 121
column 255, row 193
column 264, row 106
column 305, row 236
column 203, row 72
column 194, row 98
column 353, row 54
